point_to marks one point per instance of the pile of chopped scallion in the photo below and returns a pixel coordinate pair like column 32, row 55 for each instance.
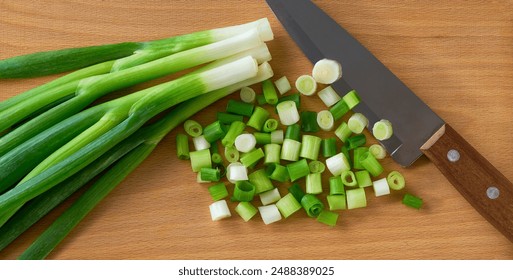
column 263, row 153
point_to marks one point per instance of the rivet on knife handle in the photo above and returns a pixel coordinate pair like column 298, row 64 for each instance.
column 490, row 192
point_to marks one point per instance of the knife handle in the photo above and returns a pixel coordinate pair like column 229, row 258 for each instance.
column 484, row 187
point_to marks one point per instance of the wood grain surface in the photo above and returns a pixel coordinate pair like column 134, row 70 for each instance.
column 456, row 55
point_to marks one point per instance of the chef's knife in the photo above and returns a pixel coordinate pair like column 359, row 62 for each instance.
column 417, row 129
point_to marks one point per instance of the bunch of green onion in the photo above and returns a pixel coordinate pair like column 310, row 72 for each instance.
column 52, row 143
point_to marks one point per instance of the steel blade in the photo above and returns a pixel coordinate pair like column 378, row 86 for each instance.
column 383, row 95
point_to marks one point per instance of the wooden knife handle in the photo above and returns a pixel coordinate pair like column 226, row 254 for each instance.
column 487, row 190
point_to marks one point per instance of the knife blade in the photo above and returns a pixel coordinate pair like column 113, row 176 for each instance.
column 417, row 129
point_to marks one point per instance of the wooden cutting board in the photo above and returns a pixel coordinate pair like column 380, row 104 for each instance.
column 456, row 55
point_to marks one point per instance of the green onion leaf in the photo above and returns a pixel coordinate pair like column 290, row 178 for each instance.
column 182, row 146
column 261, row 181
column 218, row 191
column 200, row 159
column 298, row 169
column 329, row 147
column 288, row 205
column 313, row 183
column 336, row 202
column 309, row 121
column 412, row 201
column 271, row 97
column 312, row 205
column 239, row 108
column 246, row 210
column 243, row 191
column 328, row 218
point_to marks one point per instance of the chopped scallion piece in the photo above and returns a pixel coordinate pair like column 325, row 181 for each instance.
column 262, row 138
column 345, row 151
column 293, row 132
column 290, row 150
column 312, row 205
column 287, row 111
column 306, row 85
column 221, row 168
column 395, row 180
column 371, row 164
column 243, row 191
column 348, row 178
column 261, row 100
column 356, row 141
column 246, row 210
column 327, row 71
column 363, row 178
column 309, row 121
column 337, row 164
column 336, row 185
column 356, row 198
column 239, row 108
column 325, row 120
column 182, row 146
column 200, row 159
column 378, row 151
column 226, row 118
column 296, row 191
column 412, row 201
column 310, row 147
column 247, row 95
column 269, row 213
column 271, row 97
column 357, row 153
column 231, row 154
column 328, row 218
column 288, row 205
column 199, row 180
column 329, row 96
column 258, row 118
column 298, row 169
column 236, row 128
column 277, row 172
column 270, row 196
column 357, row 123
column 343, row 132
column 382, row 130
column 316, row 166
column 352, row 99
column 210, row 174
column 283, row 85
column 329, row 147
column 245, row 142
column 272, row 153
column 339, row 110
column 193, row 128
column 381, row 187
column 270, row 125
column 313, row 183
column 277, row 136
column 236, row 172
column 218, row 191
column 296, row 97
column 251, row 158
column 336, row 202
column 213, row 132
column 261, row 181
column 200, row 143
column 219, row 210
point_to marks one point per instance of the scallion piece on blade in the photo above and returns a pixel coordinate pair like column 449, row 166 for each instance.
column 381, row 187
column 288, row 205
column 306, row 85
column 328, row 96
column 371, row 164
column 339, row 110
column 336, row 185
column 329, row 147
column 261, row 181
column 287, row 112
column 270, row 125
column 337, row 164
column 357, row 123
column 200, row 159
column 298, row 169
column 182, row 146
column 296, row 191
column 293, row 132
column 277, row 172
column 412, row 201
column 219, row 210
column 310, row 147
column 236, row 172
column 258, row 118
column 210, row 174
column 290, row 150
column 309, row 121
column 251, row 158
column 271, row 97
column 327, row 71
column 382, row 130
column 378, row 151
column 231, row 154
column 352, row 99
column 325, row 120
column 328, row 218
column 348, row 178
column 395, row 180
column 270, row 196
column 247, row 95
column 218, row 191
column 227, row 118
column 357, row 153
column 243, row 191
column 356, row 198
column 296, row 97
column 272, row 153
column 312, row 205
column 261, row 100
column 363, row 178
column 213, row 132
column 239, row 108
column 277, row 136
column 356, row 141
column 343, row 132
column 336, row 202
column 245, row 142
column 246, row 210
column 193, row 128
column 313, row 183
column 200, row 143
column 236, row 128
column 262, row 138
column 316, row 166
column 269, row 213
column 283, row 85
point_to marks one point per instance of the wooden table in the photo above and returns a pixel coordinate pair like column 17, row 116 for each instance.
column 456, row 55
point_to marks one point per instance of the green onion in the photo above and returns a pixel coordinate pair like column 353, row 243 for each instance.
column 219, row 210
column 327, row 71
column 247, row 95
column 357, row 153
column 363, row 178
column 251, row 158
column 287, row 112
column 337, row 164
column 352, row 99
column 382, row 130
column 270, row 196
column 381, row 187
column 336, row 202
column 395, row 180
column 277, row 136
column 296, row 191
column 336, row 185
column 199, row 180
column 270, row 125
column 370, row 164
column 325, row 120
column 243, row 191
column 356, row 141
column 293, row 132
column 193, row 128
column 339, row 110
column 261, row 181
column 245, row 142
column 313, row 183
column 258, row 118
column 213, row 132
column 231, row 154
column 236, row 172
column 182, row 146
column 239, row 108
column 200, row 143
column 269, row 213
column 277, row 172
column 288, row 205
column 345, row 151
column 328, row 218
column 246, row 210
column 226, row 118
column 271, row 97
column 290, row 150
column 312, row 205
column 210, row 174
column 356, row 198
column 329, row 147
column 296, row 97
column 328, row 96
column 262, row 138
column 316, row 166
column 261, row 100
column 236, row 128
column 343, row 132
column 219, row 166
column 309, row 121
column 200, row 159
column 377, row 151
column 282, row 84
column 272, row 153
column 218, row 191
column 348, row 178
column 310, row 147
column 412, row 201
column 357, row 123
column 298, row 169
column 306, row 85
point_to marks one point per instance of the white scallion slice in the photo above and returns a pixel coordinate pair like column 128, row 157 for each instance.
column 325, row 120
column 306, row 85
column 357, row 123
column 236, row 171
column 283, row 85
column 337, row 164
column 245, row 142
column 277, row 136
column 270, row 196
column 381, row 187
column 327, row 71
column 382, row 130
column 328, row 96
column 200, row 143
column 287, row 111
column 219, row 210
column 269, row 213
column 378, row 151
column 247, row 95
